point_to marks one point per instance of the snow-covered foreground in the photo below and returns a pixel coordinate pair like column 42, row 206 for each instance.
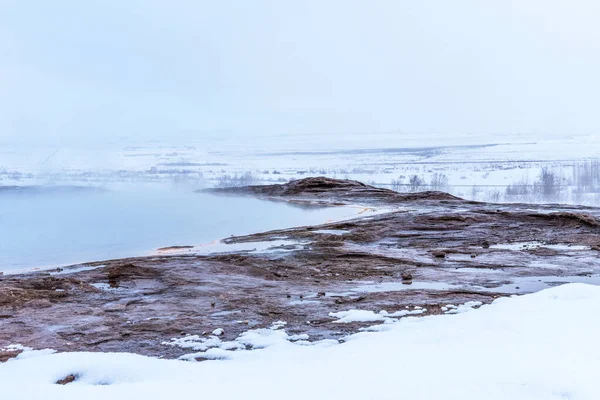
column 538, row 346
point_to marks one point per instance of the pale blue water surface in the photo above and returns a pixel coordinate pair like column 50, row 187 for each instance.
column 48, row 227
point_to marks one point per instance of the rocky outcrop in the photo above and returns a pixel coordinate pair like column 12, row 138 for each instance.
column 334, row 190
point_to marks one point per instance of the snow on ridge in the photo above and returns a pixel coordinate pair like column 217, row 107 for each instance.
column 468, row 306
column 210, row 346
column 537, row 346
column 346, row 317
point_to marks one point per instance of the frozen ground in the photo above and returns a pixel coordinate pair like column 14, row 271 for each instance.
column 433, row 252
column 477, row 167
column 537, row 346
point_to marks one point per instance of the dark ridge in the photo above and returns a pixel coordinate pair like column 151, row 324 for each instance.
column 343, row 190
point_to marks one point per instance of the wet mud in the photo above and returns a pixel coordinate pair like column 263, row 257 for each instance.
column 432, row 249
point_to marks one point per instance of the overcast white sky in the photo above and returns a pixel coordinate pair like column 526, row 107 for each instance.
column 182, row 68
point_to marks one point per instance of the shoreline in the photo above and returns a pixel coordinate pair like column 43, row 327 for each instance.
column 149, row 253
column 431, row 251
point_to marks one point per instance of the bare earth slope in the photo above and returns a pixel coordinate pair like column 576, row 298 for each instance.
column 432, row 250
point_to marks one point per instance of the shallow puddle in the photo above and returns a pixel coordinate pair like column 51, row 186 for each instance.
column 331, row 231
column 535, row 284
column 517, row 246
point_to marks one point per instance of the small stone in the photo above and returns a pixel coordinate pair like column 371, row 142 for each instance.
column 438, row 254
column 67, row 379
column 406, row 276
column 114, row 307
column 218, row 332
column 473, row 255
column 321, row 294
column 6, row 355
column 485, row 244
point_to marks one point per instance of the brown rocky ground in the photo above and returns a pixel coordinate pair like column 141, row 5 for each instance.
column 433, row 249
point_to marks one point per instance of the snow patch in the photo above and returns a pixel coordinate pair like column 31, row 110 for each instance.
column 468, row 306
column 212, row 347
column 346, row 317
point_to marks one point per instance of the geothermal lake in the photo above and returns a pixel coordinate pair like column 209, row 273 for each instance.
column 41, row 228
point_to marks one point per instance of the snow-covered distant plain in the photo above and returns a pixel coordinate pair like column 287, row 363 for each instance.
column 537, row 346
column 477, row 167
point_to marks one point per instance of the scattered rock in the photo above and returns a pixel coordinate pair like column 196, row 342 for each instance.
column 406, row 276
column 114, row 307
column 438, row 254
column 127, row 272
column 67, row 379
column 570, row 218
column 345, row 300
column 38, row 303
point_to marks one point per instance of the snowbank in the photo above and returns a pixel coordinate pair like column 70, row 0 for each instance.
column 538, row 346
